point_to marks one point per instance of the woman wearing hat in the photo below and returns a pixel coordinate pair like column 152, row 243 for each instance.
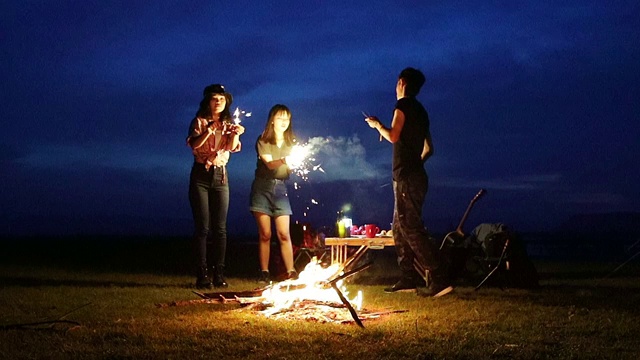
column 212, row 137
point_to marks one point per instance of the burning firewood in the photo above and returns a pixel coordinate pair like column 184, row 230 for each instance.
column 317, row 295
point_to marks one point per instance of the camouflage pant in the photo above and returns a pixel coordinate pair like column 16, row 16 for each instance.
column 410, row 235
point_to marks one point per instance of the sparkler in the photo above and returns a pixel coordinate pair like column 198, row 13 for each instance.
column 238, row 114
column 366, row 116
column 298, row 156
column 301, row 161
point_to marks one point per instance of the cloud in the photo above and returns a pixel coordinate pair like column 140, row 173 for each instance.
column 519, row 183
column 112, row 157
column 607, row 199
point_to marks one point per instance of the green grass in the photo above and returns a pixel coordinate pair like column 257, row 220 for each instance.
column 575, row 315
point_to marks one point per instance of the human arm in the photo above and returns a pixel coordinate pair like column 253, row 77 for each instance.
column 199, row 140
column 272, row 164
column 235, row 130
column 266, row 155
column 390, row 134
column 427, row 149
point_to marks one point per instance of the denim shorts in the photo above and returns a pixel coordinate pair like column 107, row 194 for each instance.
column 269, row 196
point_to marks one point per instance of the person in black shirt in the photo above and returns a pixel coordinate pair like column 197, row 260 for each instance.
column 412, row 146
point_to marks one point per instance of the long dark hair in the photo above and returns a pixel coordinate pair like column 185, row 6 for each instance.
column 204, row 111
column 269, row 135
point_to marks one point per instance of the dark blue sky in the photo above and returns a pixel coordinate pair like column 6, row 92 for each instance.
column 535, row 101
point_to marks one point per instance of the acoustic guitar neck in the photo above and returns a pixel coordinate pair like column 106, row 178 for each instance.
column 466, row 213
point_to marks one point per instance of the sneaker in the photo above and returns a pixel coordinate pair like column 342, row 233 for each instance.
column 437, row 290
column 403, row 285
column 265, row 277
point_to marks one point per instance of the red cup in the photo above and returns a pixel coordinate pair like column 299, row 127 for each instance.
column 355, row 230
column 370, row 230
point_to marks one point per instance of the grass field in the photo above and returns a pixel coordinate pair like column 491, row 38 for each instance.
column 104, row 297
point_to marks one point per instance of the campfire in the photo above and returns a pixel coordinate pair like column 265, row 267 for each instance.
column 319, row 294
column 315, row 286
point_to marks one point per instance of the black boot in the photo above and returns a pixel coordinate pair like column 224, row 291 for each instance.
column 440, row 284
column 202, row 280
column 218, row 277
column 265, row 277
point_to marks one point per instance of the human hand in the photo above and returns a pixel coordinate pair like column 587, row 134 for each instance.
column 373, row 122
column 237, row 129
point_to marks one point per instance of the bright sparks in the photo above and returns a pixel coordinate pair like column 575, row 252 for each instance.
column 238, row 114
column 298, row 156
column 301, row 160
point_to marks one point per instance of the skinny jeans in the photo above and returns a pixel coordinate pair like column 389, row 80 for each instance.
column 209, row 199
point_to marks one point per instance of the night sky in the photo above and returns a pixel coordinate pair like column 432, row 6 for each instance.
column 535, row 101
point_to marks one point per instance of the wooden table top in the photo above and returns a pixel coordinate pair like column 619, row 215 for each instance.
column 360, row 241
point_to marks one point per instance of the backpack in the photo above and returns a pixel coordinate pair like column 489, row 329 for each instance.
column 484, row 249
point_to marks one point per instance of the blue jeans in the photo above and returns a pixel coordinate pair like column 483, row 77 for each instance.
column 209, row 199
column 410, row 236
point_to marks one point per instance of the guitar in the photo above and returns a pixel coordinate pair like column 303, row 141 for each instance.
column 458, row 234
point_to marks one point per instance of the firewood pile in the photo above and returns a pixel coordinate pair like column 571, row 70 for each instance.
column 306, row 310
column 314, row 311
column 314, row 296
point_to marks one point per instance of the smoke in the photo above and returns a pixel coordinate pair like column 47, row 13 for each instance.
column 340, row 158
